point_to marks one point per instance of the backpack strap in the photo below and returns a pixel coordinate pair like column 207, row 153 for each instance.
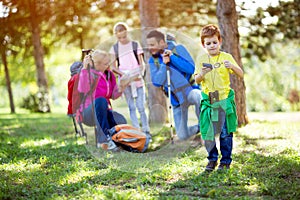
column 116, row 50
column 84, row 96
column 191, row 79
column 134, row 48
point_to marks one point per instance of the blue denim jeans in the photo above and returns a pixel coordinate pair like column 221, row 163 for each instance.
column 180, row 114
column 225, row 141
column 105, row 118
column 139, row 104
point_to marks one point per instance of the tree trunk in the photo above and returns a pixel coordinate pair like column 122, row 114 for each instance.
column 8, row 83
column 156, row 99
column 38, row 58
column 227, row 18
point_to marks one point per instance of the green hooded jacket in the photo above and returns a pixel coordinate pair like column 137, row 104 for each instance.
column 209, row 114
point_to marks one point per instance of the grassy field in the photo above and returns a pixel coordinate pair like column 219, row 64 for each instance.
column 41, row 159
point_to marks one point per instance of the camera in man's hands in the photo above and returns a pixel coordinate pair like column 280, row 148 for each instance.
column 213, row 96
column 207, row 65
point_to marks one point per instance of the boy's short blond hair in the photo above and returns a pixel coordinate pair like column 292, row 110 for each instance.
column 210, row 30
column 119, row 27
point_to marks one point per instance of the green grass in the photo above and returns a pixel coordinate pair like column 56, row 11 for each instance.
column 41, row 159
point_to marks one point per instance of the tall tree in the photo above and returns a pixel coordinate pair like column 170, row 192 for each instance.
column 228, row 19
column 7, row 78
column 45, row 22
column 38, row 53
column 6, row 32
column 156, row 99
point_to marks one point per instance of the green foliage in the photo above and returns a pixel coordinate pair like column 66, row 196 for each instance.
column 269, row 83
column 189, row 15
column 36, row 102
column 41, row 158
column 68, row 25
column 275, row 24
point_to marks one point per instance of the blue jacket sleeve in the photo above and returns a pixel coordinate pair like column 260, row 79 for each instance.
column 158, row 74
column 183, row 61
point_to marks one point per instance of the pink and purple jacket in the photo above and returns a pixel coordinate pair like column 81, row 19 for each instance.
column 106, row 86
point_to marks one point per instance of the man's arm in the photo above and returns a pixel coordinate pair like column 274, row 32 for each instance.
column 183, row 61
column 158, row 73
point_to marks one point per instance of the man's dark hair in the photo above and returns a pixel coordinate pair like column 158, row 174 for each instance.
column 157, row 35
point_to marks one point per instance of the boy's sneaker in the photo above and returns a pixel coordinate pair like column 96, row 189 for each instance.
column 211, row 166
column 223, row 166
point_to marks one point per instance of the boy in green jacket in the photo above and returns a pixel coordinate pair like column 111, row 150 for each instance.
column 218, row 111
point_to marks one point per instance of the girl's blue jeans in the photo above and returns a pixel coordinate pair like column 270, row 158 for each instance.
column 139, row 104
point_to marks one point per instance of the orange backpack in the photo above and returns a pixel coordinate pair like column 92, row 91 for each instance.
column 129, row 138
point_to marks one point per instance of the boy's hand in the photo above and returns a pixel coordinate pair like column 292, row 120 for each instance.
column 205, row 70
column 236, row 69
column 200, row 77
column 227, row 64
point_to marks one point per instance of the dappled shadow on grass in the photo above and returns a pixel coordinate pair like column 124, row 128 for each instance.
column 36, row 154
column 256, row 141
column 217, row 184
column 269, row 138
column 252, row 175
column 47, row 162
column 160, row 152
column 41, row 158
column 26, row 135
column 141, row 162
column 276, row 176
column 40, row 171
column 266, row 165
column 43, row 171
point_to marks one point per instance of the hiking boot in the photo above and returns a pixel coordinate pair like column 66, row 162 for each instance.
column 148, row 134
column 101, row 145
column 111, row 146
column 108, row 146
column 211, row 166
column 223, row 166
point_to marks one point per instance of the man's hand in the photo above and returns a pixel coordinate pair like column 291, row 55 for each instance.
column 166, row 56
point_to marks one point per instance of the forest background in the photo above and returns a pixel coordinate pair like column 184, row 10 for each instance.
column 41, row 159
column 41, row 39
